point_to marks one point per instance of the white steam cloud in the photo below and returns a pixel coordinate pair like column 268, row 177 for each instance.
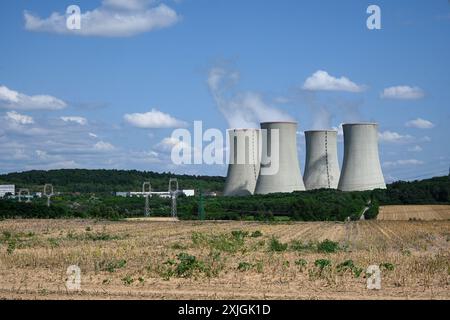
column 241, row 109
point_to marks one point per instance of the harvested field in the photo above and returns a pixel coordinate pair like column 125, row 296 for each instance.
column 217, row 260
column 415, row 212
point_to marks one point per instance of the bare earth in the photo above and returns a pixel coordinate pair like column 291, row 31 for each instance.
column 422, row 212
column 130, row 259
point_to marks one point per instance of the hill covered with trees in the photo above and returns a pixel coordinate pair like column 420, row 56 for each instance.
column 107, row 181
column 316, row 205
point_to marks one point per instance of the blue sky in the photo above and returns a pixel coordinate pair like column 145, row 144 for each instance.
column 64, row 96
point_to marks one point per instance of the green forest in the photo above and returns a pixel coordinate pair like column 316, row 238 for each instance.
column 106, row 181
column 96, row 200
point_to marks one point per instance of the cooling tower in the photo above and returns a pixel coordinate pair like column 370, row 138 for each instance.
column 280, row 171
column 244, row 166
column 321, row 166
column 361, row 169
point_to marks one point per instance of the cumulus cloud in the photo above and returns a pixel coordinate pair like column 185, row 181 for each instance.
column 114, row 18
column 80, row 120
column 153, row 119
column 103, row 146
column 394, row 137
column 322, row 81
column 13, row 100
column 240, row 109
column 408, row 162
column 420, row 123
column 402, row 92
column 17, row 118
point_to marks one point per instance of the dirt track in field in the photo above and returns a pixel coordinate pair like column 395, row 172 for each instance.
column 415, row 212
column 34, row 256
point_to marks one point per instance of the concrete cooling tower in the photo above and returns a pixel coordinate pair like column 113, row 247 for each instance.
column 361, row 169
column 280, row 171
column 244, row 159
column 321, row 166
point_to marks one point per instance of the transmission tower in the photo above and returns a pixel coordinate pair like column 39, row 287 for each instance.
column 146, row 195
column 48, row 194
column 173, row 193
column 24, row 191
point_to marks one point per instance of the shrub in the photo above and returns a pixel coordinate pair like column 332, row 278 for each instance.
column 327, row 246
column 387, row 266
column 322, row 263
column 256, row 234
column 244, row 266
column 297, row 245
column 277, row 246
column 111, row 266
column 301, row 263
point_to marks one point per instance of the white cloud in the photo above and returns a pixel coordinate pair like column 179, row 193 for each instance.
column 241, row 109
column 339, row 129
column 402, row 92
column 408, row 162
column 103, row 146
column 322, row 81
column 80, row 120
column 167, row 144
column 420, row 124
column 10, row 99
column 153, row 119
column 114, row 18
column 18, row 118
column 394, row 137
column 416, row 148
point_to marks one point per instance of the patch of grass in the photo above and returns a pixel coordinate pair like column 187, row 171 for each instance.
column 406, row 252
column 259, row 267
column 301, row 263
column 327, row 246
column 11, row 246
column 187, row 265
column 112, row 266
column 349, row 265
column 178, row 246
column 276, row 246
column 127, row 280
column 239, row 235
column 53, row 242
column 256, row 234
column 387, row 266
column 244, row 266
column 222, row 242
column 297, row 245
column 322, row 263
column 88, row 236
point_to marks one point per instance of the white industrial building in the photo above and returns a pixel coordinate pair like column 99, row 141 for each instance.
column 7, row 189
column 162, row 194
